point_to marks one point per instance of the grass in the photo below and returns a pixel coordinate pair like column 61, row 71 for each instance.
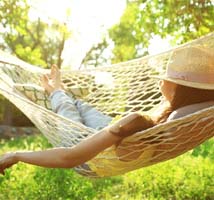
column 186, row 177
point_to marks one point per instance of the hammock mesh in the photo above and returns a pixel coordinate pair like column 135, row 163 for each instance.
column 118, row 89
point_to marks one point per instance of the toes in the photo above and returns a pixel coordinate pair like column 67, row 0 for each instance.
column 54, row 66
column 45, row 82
column 44, row 79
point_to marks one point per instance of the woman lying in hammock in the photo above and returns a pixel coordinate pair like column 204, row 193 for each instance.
column 187, row 87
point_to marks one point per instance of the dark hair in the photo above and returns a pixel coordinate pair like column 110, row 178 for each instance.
column 185, row 96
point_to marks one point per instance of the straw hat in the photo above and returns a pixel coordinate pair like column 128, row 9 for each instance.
column 191, row 66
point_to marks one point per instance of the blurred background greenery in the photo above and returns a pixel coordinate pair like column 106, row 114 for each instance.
column 42, row 42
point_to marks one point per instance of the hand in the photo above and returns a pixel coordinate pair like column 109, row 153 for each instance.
column 7, row 161
column 52, row 81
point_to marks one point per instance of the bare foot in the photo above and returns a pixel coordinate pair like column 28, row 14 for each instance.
column 52, row 81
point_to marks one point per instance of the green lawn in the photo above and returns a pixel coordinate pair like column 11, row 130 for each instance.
column 187, row 177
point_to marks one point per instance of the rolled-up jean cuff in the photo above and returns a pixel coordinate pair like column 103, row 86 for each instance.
column 55, row 92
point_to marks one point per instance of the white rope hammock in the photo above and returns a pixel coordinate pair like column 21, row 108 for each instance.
column 128, row 88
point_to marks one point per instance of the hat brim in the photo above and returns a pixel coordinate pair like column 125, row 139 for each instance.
column 204, row 86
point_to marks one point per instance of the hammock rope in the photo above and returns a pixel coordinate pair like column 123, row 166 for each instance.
column 118, row 89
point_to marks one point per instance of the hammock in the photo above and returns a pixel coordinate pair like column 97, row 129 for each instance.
column 128, row 88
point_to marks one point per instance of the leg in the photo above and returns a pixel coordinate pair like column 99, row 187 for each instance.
column 78, row 110
column 64, row 105
column 91, row 116
column 68, row 107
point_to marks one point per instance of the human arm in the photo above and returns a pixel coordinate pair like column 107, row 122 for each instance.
column 62, row 157
column 82, row 152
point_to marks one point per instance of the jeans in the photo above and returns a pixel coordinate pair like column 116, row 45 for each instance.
column 78, row 110
column 82, row 112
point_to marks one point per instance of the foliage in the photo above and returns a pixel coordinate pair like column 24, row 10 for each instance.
column 205, row 150
column 36, row 42
column 185, row 177
column 94, row 56
column 180, row 21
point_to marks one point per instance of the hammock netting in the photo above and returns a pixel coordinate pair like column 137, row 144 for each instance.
column 118, row 89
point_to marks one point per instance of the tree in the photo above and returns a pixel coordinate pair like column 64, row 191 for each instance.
column 142, row 19
column 35, row 41
column 94, row 56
